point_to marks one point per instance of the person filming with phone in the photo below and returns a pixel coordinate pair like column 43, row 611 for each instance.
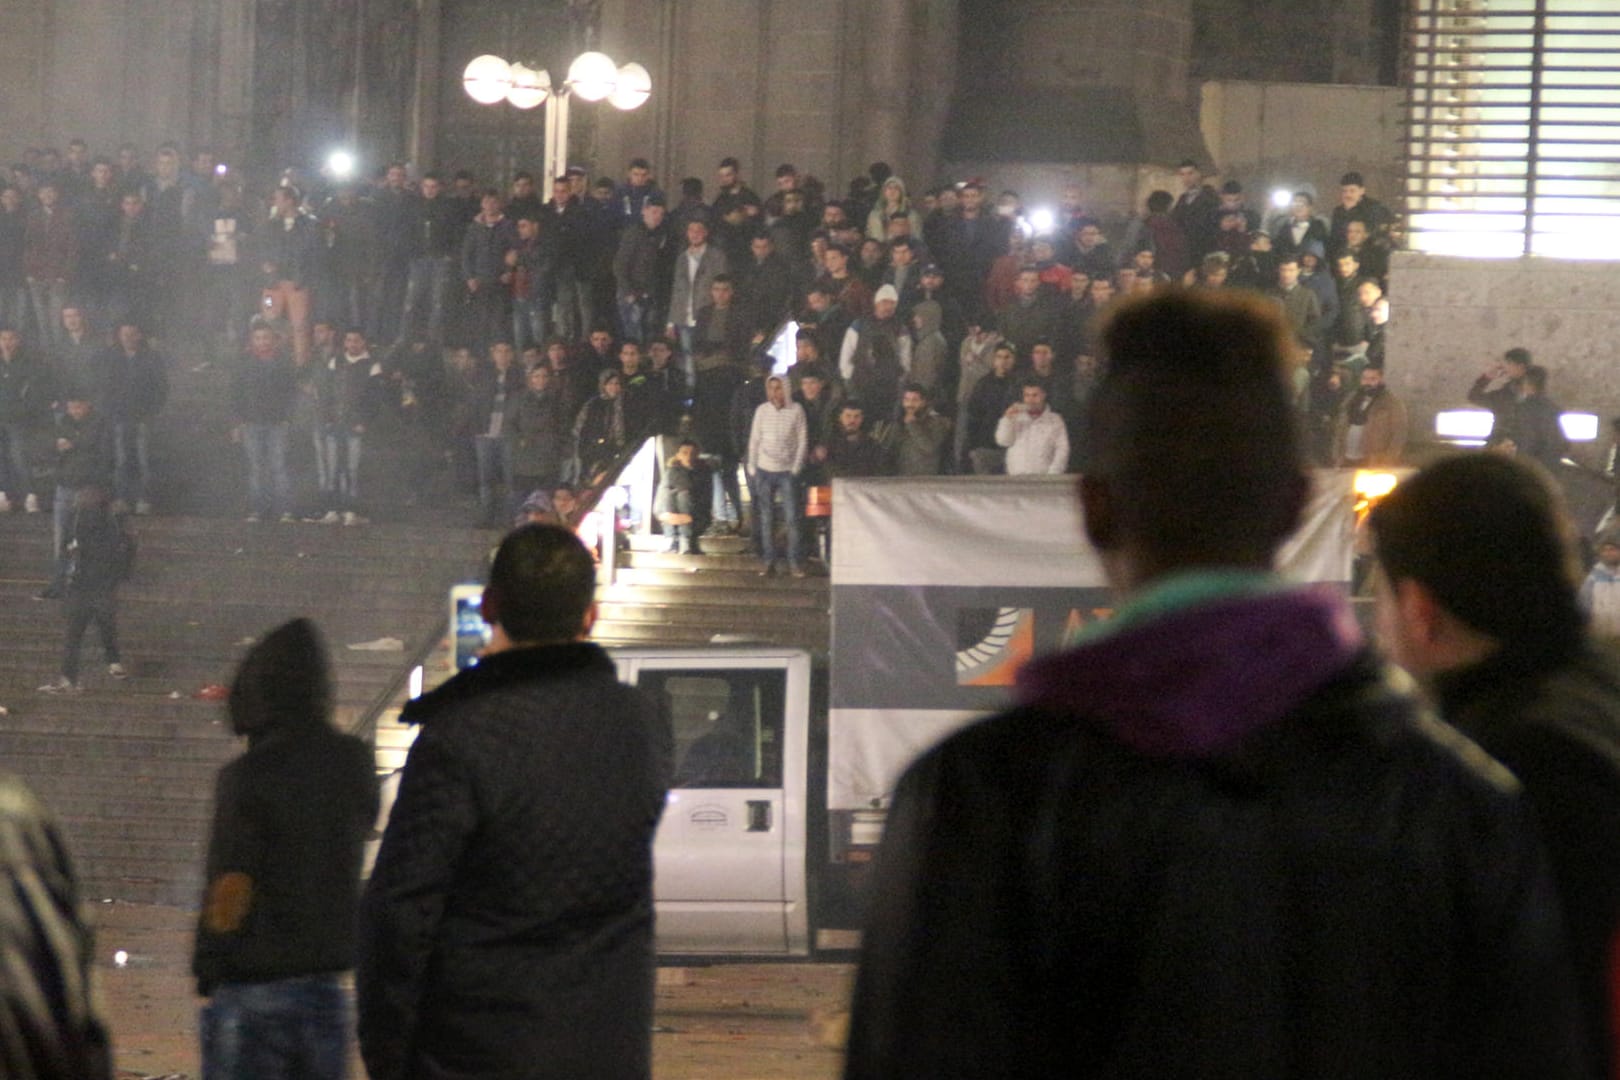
column 1035, row 436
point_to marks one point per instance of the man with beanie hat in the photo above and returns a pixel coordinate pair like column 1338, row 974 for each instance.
column 876, row 355
column 277, row 926
column 1476, row 597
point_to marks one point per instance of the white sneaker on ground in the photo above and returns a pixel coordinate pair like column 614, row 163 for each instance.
column 331, row 517
column 143, row 507
column 60, row 685
column 251, row 518
column 287, row 519
column 5, row 504
column 352, row 518
column 31, row 504
column 117, row 671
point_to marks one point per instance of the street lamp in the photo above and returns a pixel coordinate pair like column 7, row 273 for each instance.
column 593, row 76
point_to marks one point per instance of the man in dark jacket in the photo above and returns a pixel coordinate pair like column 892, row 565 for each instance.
column 25, row 409
column 1213, row 839
column 290, row 259
column 132, row 388
column 291, row 816
column 508, row 926
column 84, row 458
column 97, row 555
column 642, row 269
column 263, row 389
column 1475, row 598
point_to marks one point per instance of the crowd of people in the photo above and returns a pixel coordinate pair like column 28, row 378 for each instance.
column 937, row 332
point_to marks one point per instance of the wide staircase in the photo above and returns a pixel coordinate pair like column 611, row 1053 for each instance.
column 129, row 766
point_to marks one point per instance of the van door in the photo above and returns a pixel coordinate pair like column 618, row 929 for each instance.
column 729, row 854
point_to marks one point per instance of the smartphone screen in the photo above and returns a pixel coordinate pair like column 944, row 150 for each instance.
column 468, row 629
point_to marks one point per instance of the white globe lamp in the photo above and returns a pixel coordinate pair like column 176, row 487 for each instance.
column 634, row 88
column 529, row 87
column 487, row 79
column 593, row 76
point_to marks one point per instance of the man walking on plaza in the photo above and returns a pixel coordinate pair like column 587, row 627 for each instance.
column 508, row 926
column 1214, row 839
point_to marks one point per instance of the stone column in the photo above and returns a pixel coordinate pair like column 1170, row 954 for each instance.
column 887, row 104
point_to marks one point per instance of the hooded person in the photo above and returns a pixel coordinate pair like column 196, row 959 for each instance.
column 892, row 199
column 291, row 816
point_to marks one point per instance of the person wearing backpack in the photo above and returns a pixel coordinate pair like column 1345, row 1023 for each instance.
column 100, row 553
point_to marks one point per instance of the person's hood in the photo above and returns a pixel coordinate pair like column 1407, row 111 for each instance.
column 284, row 681
column 1195, row 682
column 930, row 317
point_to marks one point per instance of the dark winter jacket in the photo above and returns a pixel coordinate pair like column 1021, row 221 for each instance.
column 131, row 388
column 483, row 250
column 95, row 566
column 25, row 391
column 292, row 253
column 538, row 430
column 263, row 391
column 291, row 816
column 88, row 459
column 1554, row 720
column 352, row 392
column 1217, row 843
column 508, row 926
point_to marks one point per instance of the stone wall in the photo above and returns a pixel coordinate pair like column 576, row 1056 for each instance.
column 1268, row 135
column 1451, row 317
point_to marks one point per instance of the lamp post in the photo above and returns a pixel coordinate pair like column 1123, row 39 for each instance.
column 593, row 76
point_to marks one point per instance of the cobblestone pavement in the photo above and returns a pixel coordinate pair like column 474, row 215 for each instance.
column 729, row 1022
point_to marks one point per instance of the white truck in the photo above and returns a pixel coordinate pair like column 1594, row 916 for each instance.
column 941, row 590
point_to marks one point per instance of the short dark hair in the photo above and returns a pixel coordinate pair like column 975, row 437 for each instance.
column 1536, row 377
column 1188, row 163
column 522, row 174
column 730, row 163
column 1231, row 187
column 1487, row 536
column 640, row 163
column 1517, row 355
column 722, row 279
column 542, row 583
column 786, row 170
column 1352, row 178
column 917, row 388
column 1307, row 196
column 1218, row 364
column 1284, row 260
column 1160, row 201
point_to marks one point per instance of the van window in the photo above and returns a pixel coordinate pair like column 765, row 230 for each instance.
column 727, row 724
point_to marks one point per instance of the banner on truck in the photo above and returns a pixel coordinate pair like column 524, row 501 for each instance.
column 942, row 589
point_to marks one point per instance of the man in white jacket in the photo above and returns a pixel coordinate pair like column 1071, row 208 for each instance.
column 777, row 443
column 1035, row 437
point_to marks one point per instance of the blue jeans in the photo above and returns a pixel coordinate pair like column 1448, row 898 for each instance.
column 18, row 470
column 425, row 287
column 494, row 457
column 269, row 491
column 340, row 466
column 531, row 320
column 768, row 485
column 131, row 466
column 291, row 1029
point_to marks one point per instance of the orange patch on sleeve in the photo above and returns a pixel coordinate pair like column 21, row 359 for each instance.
column 230, row 896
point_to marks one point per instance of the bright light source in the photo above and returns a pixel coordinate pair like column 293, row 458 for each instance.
column 617, row 497
column 1374, row 485
column 120, row 958
column 340, row 163
column 593, row 76
column 415, row 687
column 1282, row 198
column 487, row 79
column 1579, row 426
column 1042, row 220
column 1464, row 424
column 635, row 87
column 529, row 87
